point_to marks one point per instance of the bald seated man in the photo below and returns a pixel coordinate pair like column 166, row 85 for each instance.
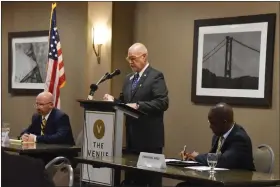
column 230, row 140
column 143, row 89
column 49, row 125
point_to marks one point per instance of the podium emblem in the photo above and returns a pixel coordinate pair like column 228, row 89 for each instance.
column 99, row 129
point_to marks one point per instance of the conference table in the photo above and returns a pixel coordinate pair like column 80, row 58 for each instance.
column 45, row 151
column 33, row 148
column 220, row 178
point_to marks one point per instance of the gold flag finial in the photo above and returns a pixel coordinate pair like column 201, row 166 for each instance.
column 53, row 5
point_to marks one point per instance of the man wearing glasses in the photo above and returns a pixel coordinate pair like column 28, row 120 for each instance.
column 144, row 89
column 49, row 125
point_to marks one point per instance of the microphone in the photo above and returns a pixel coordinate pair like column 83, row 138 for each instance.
column 116, row 72
column 110, row 76
column 106, row 76
column 94, row 87
column 102, row 79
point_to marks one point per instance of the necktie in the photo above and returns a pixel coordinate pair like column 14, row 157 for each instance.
column 220, row 144
column 43, row 125
column 135, row 81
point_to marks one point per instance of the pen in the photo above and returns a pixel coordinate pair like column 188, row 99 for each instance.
column 184, row 152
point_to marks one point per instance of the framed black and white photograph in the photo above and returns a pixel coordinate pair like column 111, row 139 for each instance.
column 28, row 57
column 233, row 60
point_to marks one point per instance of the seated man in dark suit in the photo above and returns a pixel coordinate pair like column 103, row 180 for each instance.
column 50, row 125
column 230, row 140
column 23, row 171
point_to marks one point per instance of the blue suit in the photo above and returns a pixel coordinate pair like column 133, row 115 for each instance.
column 57, row 130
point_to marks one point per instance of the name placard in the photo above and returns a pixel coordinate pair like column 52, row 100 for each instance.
column 151, row 160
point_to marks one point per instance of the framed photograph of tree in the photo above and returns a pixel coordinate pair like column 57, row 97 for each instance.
column 233, row 60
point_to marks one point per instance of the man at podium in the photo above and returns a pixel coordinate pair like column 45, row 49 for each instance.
column 145, row 90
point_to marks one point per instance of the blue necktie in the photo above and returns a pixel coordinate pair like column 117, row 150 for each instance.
column 135, row 81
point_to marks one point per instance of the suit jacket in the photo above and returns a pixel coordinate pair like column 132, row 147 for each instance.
column 57, row 131
column 146, row 132
column 23, row 171
column 236, row 151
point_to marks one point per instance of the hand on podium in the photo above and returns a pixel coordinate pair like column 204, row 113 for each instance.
column 133, row 105
column 108, row 97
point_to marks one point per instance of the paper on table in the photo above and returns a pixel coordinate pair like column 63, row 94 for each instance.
column 205, row 168
column 177, row 160
column 171, row 160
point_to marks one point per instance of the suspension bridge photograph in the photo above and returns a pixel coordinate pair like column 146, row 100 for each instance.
column 231, row 60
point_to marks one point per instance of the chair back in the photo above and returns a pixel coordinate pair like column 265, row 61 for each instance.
column 61, row 171
column 264, row 159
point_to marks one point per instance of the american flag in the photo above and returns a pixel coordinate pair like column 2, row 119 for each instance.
column 55, row 69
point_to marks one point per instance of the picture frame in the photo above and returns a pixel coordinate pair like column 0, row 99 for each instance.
column 233, row 60
column 27, row 62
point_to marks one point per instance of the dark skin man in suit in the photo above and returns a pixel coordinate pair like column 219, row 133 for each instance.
column 145, row 90
column 235, row 150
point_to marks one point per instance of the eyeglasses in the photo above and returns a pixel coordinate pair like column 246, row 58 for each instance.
column 40, row 105
column 132, row 58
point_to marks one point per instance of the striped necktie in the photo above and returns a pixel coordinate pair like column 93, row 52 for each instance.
column 135, row 81
column 220, row 144
column 43, row 125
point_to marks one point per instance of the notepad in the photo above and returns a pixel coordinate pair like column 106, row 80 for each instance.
column 205, row 168
column 182, row 161
column 15, row 141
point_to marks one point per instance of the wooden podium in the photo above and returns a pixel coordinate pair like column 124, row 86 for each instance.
column 103, row 136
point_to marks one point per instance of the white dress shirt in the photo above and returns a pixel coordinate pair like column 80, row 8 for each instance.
column 226, row 134
column 142, row 71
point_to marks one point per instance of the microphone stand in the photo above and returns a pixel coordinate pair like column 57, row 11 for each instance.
column 102, row 79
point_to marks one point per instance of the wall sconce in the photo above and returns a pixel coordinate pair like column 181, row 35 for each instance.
column 98, row 39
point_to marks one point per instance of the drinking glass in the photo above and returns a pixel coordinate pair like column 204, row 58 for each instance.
column 212, row 160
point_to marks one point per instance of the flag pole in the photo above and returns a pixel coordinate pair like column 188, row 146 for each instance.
column 53, row 6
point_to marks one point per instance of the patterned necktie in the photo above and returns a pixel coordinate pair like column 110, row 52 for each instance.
column 135, row 81
column 43, row 125
column 220, row 144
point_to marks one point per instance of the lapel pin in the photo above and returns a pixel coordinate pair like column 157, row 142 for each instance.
column 140, row 85
column 144, row 75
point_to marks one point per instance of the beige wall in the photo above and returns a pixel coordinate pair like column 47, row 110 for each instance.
column 72, row 25
column 99, row 14
column 122, row 38
column 167, row 30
